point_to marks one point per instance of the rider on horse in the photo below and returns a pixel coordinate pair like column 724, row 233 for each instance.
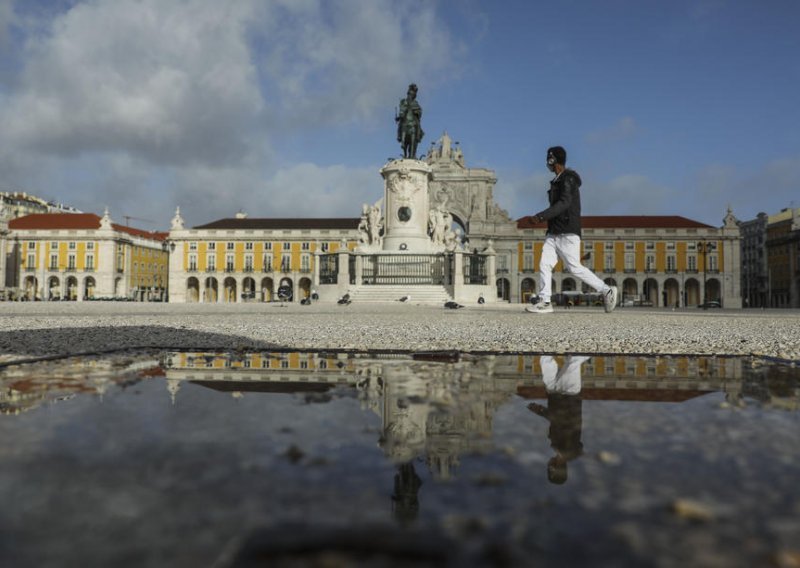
column 409, row 123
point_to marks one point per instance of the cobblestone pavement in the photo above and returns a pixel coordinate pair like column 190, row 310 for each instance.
column 41, row 329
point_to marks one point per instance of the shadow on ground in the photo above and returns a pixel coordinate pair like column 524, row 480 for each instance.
column 78, row 340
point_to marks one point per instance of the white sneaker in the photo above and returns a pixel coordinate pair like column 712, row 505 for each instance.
column 540, row 307
column 610, row 300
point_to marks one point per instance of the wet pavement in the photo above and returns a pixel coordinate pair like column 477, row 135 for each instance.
column 245, row 458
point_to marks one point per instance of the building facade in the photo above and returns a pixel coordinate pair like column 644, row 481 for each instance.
column 755, row 280
column 245, row 259
column 783, row 258
column 82, row 256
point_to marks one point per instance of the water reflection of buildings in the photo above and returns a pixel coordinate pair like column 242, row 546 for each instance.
column 25, row 387
column 431, row 408
column 441, row 407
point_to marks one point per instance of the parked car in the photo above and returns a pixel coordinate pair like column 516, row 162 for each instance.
column 710, row 304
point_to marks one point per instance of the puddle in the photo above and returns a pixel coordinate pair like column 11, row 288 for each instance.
column 229, row 459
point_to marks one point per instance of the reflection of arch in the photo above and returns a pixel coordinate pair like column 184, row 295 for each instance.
column 610, row 281
column 229, row 290
column 192, row 290
column 712, row 290
column 503, row 289
column 304, row 286
column 211, row 292
column 266, row 289
column 672, row 293
column 88, row 287
column 527, row 289
column 248, row 288
column 30, row 286
column 692, row 292
column 629, row 288
column 568, row 285
column 650, row 291
column 54, row 287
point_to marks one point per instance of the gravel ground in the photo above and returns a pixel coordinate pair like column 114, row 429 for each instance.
column 53, row 329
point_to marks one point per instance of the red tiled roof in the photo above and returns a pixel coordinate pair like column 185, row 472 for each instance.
column 271, row 224
column 623, row 222
column 75, row 221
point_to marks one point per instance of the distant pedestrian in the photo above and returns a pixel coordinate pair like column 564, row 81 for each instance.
column 563, row 238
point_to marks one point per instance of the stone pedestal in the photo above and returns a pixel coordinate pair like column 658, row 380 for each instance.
column 406, row 206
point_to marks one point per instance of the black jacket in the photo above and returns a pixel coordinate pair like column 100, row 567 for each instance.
column 564, row 214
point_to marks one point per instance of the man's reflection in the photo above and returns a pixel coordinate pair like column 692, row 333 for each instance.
column 563, row 411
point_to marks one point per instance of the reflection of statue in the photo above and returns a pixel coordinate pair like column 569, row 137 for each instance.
column 405, row 501
column 563, row 411
column 409, row 123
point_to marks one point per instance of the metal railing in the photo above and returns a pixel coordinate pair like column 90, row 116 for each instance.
column 328, row 268
column 407, row 269
column 474, row 269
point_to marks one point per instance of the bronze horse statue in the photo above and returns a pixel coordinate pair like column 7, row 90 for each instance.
column 409, row 123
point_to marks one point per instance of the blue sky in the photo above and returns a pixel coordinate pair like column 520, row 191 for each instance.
column 285, row 108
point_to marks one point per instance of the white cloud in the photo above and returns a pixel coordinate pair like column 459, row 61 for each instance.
column 147, row 104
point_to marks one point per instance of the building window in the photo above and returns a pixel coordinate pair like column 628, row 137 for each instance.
column 284, row 364
column 229, row 262
column 31, row 245
column 325, row 247
column 502, row 262
column 53, row 262
column 527, row 262
column 54, row 245
column 630, row 262
column 671, row 245
column 712, row 263
column 71, row 262
column 267, row 246
column 193, row 246
column 672, row 264
column 31, row 262
column 305, row 263
column 267, row 263
column 285, row 264
column 211, row 263
column 650, row 263
column 248, row 262
column 248, row 246
column 192, row 262
column 650, row 245
column 228, row 246
column 72, row 245
column 89, row 262
column 306, row 246
column 630, row 246
column 691, row 245
column 212, row 246
column 287, row 246
column 691, row 262
column 609, row 262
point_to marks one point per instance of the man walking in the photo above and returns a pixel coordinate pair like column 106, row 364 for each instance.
column 563, row 239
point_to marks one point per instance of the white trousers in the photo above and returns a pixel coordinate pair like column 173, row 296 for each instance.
column 566, row 380
column 568, row 249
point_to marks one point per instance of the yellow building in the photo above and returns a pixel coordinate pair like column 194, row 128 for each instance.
column 241, row 259
column 83, row 256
